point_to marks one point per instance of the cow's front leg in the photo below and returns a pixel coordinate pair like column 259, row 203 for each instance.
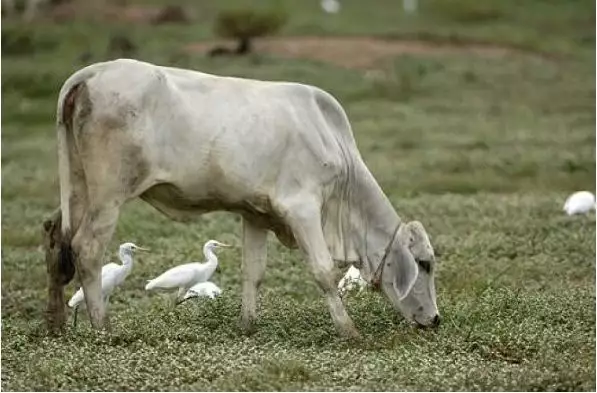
column 253, row 267
column 305, row 221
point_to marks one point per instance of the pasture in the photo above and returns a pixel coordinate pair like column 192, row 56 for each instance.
column 476, row 118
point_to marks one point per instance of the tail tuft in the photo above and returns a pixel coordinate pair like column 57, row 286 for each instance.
column 66, row 260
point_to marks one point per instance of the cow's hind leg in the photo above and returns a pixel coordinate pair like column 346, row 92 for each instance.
column 89, row 245
column 305, row 221
column 253, row 267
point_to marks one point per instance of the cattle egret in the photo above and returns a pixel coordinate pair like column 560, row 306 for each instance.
column 579, row 203
column 203, row 289
column 330, row 6
column 351, row 280
column 186, row 276
column 113, row 275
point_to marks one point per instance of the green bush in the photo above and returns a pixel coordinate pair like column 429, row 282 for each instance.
column 22, row 40
column 246, row 24
column 467, row 11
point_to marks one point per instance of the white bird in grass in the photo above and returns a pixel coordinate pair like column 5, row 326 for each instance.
column 113, row 275
column 351, row 280
column 186, row 276
column 579, row 203
column 203, row 289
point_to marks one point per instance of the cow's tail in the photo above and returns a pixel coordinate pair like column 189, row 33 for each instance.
column 69, row 163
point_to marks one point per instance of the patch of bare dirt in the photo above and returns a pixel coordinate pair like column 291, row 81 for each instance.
column 116, row 13
column 354, row 52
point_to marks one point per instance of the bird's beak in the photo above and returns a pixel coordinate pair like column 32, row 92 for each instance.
column 142, row 249
column 224, row 245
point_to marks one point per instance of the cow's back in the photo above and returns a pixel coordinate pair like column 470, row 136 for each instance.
column 221, row 143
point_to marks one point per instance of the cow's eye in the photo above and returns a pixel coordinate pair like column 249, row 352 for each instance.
column 425, row 265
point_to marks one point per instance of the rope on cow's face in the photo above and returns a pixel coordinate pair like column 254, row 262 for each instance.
column 376, row 277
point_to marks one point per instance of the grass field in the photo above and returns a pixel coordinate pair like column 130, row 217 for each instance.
column 483, row 149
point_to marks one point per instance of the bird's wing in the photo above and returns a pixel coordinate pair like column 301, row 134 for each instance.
column 212, row 288
column 190, row 293
column 199, row 286
column 204, row 271
column 207, row 289
column 109, row 272
column 111, row 277
column 179, row 276
column 353, row 273
column 109, row 268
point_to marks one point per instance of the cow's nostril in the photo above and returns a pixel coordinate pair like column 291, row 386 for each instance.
column 436, row 320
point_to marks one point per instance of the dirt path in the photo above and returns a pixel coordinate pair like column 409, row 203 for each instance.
column 354, row 52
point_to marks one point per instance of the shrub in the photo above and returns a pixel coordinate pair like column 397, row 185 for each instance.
column 467, row 11
column 245, row 24
column 22, row 40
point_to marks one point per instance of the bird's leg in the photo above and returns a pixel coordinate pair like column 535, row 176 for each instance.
column 107, row 324
column 178, row 299
column 76, row 311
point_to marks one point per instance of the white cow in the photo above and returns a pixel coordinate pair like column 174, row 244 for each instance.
column 282, row 155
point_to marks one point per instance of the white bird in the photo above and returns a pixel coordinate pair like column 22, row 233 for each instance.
column 579, row 203
column 186, row 276
column 351, row 280
column 113, row 275
column 330, row 6
column 203, row 289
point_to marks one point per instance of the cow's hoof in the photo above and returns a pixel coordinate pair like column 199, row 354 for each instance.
column 351, row 334
column 55, row 322
column 247, row 326
column 55, row 330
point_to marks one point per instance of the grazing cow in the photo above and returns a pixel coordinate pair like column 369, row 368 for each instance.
column 282, row 155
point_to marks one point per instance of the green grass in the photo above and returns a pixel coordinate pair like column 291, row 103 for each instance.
column 482, row 150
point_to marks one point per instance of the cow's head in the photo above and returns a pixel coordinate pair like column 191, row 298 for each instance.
column 407, row 276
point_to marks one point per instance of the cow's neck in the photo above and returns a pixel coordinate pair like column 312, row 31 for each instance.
column 373, row 222
column 359, row 221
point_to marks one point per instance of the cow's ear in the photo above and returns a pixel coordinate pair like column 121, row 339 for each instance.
column 406, row 271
